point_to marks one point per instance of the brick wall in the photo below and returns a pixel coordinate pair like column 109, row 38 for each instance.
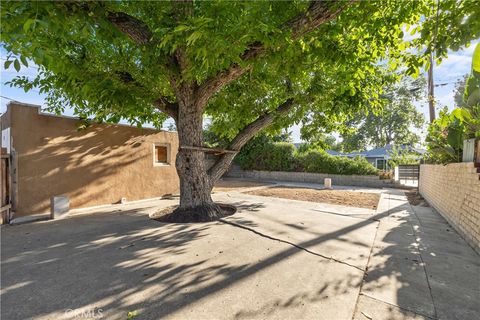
column 337, row 179
column 454, row 191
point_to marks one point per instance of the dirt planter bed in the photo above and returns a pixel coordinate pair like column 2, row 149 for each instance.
column 340, row 197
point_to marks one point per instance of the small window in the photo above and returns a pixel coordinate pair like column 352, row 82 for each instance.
column 381, row 164
column 161, row 154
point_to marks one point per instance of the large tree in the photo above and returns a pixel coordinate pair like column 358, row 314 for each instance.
column 395, row 123
column 248, row 65
column 459, row 91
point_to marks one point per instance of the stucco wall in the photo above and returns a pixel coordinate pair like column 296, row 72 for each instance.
column 337, row 179
column 95, row 166
column 454, row 191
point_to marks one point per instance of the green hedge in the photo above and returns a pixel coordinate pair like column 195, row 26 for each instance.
column 321, row 162
column 276, row 156
column 262, row 154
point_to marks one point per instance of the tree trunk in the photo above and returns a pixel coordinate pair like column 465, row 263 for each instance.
column 196, row 183
column 196, row 203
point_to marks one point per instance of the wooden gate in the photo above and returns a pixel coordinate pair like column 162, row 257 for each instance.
column 5, row 187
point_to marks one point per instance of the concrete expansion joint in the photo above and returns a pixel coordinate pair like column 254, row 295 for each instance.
column 291, row 244
column 417, row 240
column 399, row 307
column 365, row 272
column 344, row 215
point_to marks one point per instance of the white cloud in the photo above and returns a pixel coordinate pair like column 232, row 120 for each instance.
column 446, row 99
column 455, row 63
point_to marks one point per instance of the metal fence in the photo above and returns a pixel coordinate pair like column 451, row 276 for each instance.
column 408, row 172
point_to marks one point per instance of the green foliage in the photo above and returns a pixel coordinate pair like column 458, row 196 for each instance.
column 444, row 139
column 132, row 314
column 88, row 63
column 304, row 147
column 446, row 134
column 448, row 25
column 264, row 154
column 316, row 139
column 402, row 157
column 213, row 140
column 393, row 123
column 321, row 162
column 459, row 91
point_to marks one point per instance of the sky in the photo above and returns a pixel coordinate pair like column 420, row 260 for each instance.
column 446, row 74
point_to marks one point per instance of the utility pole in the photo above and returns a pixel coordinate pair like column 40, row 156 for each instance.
column 431, row 94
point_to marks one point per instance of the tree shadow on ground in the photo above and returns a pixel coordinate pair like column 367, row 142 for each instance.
column 121, row 262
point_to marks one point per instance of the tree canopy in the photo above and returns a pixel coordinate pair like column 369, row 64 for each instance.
column 459, row 91
column 394, row 124
column 112, row 60
column 248, row 65
column 447, row 133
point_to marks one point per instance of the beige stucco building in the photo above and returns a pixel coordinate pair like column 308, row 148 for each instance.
column 50, row 156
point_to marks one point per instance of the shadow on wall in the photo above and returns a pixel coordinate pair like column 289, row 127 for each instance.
column 112, row 262
column 98, row 165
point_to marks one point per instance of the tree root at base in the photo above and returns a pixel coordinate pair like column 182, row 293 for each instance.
column 205, row 213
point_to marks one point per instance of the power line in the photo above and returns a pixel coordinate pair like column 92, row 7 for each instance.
column 9, row 98
column 437, row 85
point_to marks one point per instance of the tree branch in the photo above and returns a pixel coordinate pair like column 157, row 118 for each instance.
column 222, row 164
column 182, row 9
column 167, row 107
column 136, row 29
column 211, row 86
column 318, row 13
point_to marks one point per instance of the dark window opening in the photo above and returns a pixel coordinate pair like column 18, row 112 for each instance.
column 161, row 154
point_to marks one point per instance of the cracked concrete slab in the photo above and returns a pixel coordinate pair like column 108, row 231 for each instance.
column 395, row 270
column 421, row 265
column 120, row 261
column 331, row 230
column 274, row 263
column 369, row 308
column 453, row 268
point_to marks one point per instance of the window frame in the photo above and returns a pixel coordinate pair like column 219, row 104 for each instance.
column 384, row 167
column 154, row 153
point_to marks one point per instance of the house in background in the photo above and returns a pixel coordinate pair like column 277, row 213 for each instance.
column 102, row 164
column 379, row 157
column 334, row 153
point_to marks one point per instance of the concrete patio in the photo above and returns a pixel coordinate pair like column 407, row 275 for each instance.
column 275, row 259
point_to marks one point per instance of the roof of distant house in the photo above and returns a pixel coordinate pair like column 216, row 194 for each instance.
column 384, row 152
column 334, row 153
